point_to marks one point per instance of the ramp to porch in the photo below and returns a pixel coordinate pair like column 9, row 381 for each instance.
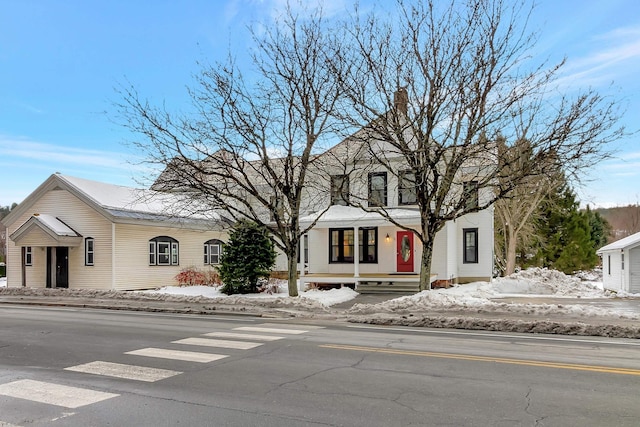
column 369, row 283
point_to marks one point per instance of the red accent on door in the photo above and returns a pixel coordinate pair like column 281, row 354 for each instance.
column 404, row 251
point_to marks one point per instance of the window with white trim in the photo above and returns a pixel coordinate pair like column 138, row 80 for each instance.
column 212, row 251
column 89, row 251
column 163, row 250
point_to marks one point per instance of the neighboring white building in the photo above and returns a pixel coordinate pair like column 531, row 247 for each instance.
column 621, row 264
column 82, row 234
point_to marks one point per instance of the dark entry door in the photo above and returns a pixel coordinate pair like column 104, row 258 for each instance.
column 62, row 267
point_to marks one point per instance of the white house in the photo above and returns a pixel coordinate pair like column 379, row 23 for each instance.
column 76, row 233
column 349, row 245
column 621, row 264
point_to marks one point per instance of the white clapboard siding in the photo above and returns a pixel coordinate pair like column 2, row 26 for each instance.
column 132, row 255
column 85, row 221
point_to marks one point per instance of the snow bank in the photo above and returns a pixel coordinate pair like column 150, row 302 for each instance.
column 485, row 297
column 3, row 282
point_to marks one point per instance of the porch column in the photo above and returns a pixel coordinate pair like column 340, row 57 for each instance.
column 356, row 252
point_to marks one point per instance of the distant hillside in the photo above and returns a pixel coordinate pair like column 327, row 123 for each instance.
column 624, row 220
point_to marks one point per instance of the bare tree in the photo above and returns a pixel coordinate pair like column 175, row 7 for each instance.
column 460, row 74
column 516, row 213
column 249, row 147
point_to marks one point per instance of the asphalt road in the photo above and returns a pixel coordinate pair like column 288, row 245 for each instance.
column 77, row 367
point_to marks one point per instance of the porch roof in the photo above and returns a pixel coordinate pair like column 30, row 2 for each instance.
column 56, row 232
column 348, row 216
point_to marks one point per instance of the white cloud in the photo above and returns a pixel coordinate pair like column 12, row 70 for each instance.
column 615, row 54
column 23, row 149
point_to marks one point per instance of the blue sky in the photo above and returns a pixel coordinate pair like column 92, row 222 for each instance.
column 60, row 61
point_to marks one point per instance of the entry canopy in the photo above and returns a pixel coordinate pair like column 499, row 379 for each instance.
column 45, row 230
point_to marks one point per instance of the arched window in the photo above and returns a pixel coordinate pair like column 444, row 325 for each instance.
column 212, row 251
column 163, row 250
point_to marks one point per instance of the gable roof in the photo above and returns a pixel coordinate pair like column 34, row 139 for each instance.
column 626, row 243
column 123, row 204
column 57, row 232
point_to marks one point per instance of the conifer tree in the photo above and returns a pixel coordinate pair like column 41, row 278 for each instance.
column 248, row 256
column 566, row 240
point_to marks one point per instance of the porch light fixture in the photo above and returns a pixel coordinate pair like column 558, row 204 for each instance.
column 388, row 239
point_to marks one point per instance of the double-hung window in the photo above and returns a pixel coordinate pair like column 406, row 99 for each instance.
column 470, row 245
column 163, row 250
column 340, row 190
column 470, row 192
column 89, row 251
column 407, row 194
column 377, row 189
column 212, row 252
column 342, row 245
column 368, row 238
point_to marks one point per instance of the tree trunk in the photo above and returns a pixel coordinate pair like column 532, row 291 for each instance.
column 292, row 274
column 425, row 264
column 512, row 243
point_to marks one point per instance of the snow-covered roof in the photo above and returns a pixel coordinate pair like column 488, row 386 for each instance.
column 626, row 243
column 345, row 216
column 57, row 230
column 54, row 224
column 128, row 202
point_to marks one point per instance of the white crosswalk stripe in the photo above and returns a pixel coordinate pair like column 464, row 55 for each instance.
column 3, row 424
column 119, row 370
column 244, row 336
column 53, row 394
column 307, row 328
column 188, row 356
column 206, row 342
column 270, row 330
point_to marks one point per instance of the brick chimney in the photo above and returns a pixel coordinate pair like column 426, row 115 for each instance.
column 401, row 100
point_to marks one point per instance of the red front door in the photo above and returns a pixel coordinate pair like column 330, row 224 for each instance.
column 404, row 253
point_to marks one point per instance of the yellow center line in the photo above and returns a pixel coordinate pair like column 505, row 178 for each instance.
column 591, row 368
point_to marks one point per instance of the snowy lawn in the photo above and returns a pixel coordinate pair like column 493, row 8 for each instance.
column 3, row 282
column 325, row 298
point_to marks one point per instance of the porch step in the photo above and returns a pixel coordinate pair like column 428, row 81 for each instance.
column 407, row 288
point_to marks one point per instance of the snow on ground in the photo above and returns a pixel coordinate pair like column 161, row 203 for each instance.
column 535, row 292
column 3, row 282
column 527, row 287
column 324, row 298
